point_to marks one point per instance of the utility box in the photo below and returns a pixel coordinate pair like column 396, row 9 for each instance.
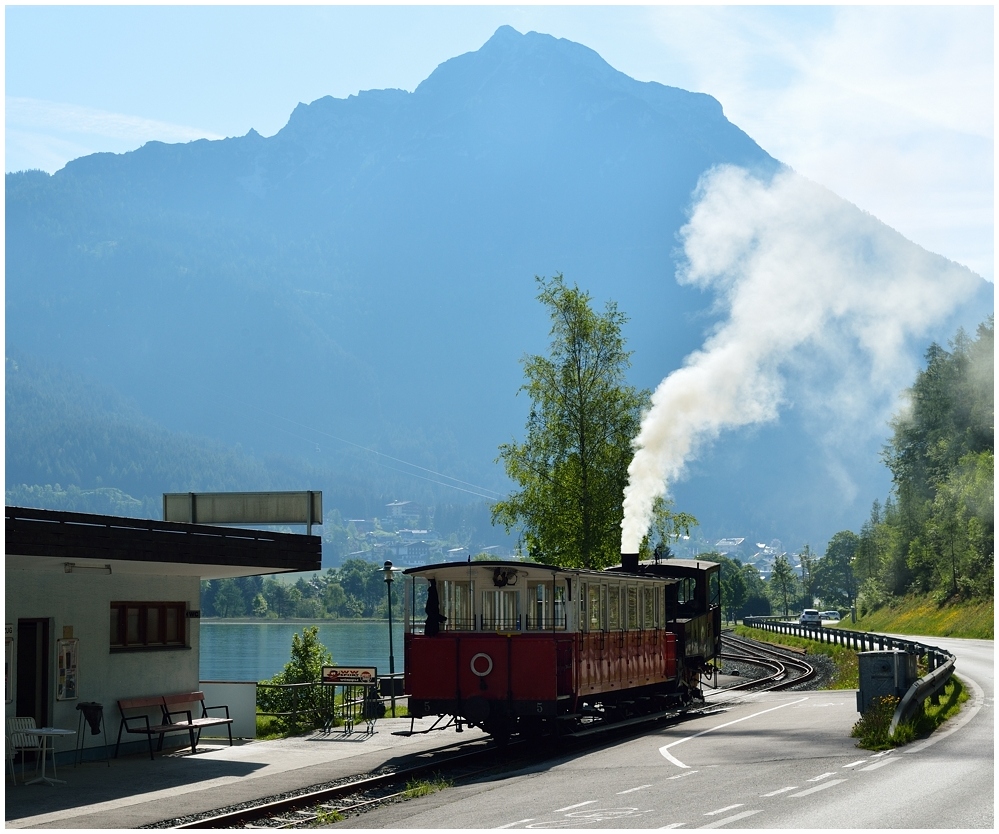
column 884, row 674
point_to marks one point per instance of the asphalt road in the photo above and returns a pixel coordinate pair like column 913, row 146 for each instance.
column 779, row 760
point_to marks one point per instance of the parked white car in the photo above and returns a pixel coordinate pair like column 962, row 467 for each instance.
column 830, row 615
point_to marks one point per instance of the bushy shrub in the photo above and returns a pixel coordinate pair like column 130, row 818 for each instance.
column 302, row 707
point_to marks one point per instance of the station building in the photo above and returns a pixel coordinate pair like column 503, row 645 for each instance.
column 99, row 608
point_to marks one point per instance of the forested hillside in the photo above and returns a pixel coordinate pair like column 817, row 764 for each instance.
column 935, row 533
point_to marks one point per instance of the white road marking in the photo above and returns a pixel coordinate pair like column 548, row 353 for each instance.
column 782, row 790
column 672, row 825
column 723, row 810
column 734, row 818
column 822, row 776
column 632, row 790
column 817, row 788
column 681, row 775
column 577, row 805
column 512, row 824
column 664, row 750
column 858, row 762
column 876, row 765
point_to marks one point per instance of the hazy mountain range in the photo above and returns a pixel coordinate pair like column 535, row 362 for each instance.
column 343, row 305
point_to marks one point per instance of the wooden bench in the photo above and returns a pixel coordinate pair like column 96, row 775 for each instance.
column 135, row 718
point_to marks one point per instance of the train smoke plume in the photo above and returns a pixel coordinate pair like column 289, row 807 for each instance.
column 811, row 286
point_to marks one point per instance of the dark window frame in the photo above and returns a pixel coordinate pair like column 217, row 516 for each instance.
column 143, row 640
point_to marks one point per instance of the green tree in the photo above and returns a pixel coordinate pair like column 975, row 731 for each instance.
column 757, row 600
column 733, row 584
column 573, row 465
column 808, row 560
column 938, row 536
column 302, row 705
column 835, row 580
column 783, row 584
column 229, row 599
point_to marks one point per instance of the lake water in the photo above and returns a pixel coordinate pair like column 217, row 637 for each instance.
column 256, row 651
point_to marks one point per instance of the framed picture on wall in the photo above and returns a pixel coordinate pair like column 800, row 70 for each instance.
column 69, row 652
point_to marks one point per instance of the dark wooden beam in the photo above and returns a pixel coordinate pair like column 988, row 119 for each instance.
column 67, row 536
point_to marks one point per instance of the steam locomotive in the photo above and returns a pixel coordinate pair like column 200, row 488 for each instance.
column 530, row 649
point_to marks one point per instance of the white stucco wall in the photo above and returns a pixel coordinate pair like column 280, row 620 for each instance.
column 82, row 601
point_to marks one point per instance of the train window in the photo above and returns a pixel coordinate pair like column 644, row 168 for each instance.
column 499, row 610
column 456, row 604
column 594, row 609
column 559, row 611
column 714, row 588
column 649, row 608
column 685, row 590
column 614, row 607
column 545, row 605
column 632, row 606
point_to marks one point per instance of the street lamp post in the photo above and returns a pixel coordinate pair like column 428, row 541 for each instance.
column 388, row 586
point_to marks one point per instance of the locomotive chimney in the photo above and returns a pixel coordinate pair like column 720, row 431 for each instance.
column 629, row 562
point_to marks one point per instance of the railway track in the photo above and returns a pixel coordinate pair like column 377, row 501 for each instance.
column 785, row 667
column 324, row 804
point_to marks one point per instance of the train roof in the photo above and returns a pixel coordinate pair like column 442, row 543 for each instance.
column 525, row 566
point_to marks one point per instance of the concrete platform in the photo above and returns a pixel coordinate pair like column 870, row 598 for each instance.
column 134, row 791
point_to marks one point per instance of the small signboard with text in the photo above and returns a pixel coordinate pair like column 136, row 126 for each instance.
column 350, row 675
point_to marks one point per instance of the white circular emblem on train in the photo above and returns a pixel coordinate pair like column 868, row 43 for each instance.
column 489, row 664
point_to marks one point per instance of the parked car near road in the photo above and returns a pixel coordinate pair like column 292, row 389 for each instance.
column 810, row 617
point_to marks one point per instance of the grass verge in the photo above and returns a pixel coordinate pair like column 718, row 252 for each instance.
column 871, row 729
column 425, row 787
column 924, row 617
column 846, row 675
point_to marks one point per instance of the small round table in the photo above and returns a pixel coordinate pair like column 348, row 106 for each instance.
column 48, row 736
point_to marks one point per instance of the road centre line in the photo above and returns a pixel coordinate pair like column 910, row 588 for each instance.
column 854, row 764
column 632, row 790
column 723, row 810
column 820, row 777
column 734, row 818
column 817, row 788
column 577, row 805
column 681, row 775
column 512, row 824
column 782, row 790
column 664, row 750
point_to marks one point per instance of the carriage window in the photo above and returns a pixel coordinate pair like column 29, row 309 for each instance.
column 545, row 611
column 649, row 608
column 456, row 605
column 614, row 607
column 632, row 606
column 686, row 590
column 714, row 586
column 499, row 611
column 559, row 612
column 594, row 609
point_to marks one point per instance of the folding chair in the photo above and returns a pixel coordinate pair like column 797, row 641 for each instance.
column 21, row 742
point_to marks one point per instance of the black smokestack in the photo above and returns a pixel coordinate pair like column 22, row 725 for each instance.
column 629, row 562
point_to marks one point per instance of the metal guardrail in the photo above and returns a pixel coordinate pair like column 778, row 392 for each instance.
column 941, row 663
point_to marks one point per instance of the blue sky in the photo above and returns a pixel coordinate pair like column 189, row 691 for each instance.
column 891, row 107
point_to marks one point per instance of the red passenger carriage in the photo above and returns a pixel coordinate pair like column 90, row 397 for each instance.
column 529, row 648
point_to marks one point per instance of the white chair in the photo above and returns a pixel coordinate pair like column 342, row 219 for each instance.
column 10, row 756
column 22, row 742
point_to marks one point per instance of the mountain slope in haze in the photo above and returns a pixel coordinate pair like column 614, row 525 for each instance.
column 366, row 275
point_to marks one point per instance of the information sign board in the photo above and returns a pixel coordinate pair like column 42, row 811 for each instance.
column 350, row 675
